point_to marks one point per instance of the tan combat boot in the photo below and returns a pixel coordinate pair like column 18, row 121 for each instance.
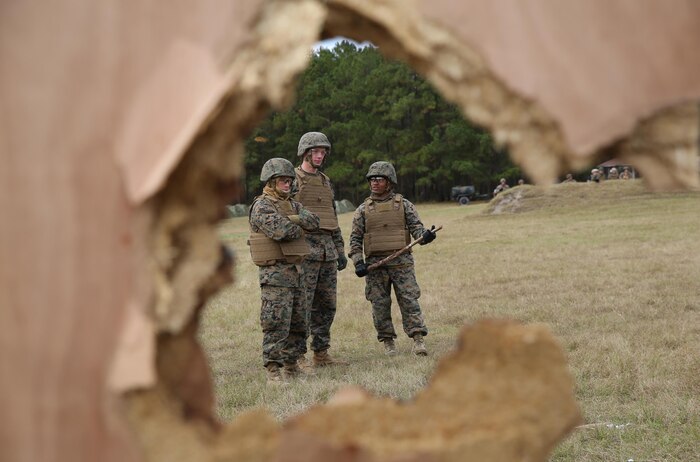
column 293, row 371
column 306, row 365
column 274, row 376
column 389, row 347
column 419, row 348
column 323, row 359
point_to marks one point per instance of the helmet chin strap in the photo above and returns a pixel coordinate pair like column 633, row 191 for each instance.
column 272, row 186
column 309, row 160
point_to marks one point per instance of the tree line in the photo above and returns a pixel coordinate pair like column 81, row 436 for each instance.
column 371, row 109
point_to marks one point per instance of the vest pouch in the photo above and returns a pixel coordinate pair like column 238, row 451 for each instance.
column 317, row 196
column 385, row 227
column 385, row 242
column 295, row 251
column 263, row 250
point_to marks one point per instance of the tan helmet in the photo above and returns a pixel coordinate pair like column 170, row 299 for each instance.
column 312, row 140
column 276, row 167
column 382, row 168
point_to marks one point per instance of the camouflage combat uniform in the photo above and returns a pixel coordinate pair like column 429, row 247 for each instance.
column 321, row 265
column 281, row 280
column 398, row 273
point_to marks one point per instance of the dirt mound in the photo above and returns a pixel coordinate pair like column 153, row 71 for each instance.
column 529, row 198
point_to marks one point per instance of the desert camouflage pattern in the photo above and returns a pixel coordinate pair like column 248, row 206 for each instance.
column 321, row 280
column 283, row 309
column 399, row 273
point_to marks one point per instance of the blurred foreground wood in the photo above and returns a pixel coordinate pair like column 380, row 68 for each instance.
column 122, row 142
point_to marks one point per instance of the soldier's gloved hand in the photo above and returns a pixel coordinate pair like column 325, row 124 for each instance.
column 428, row 236
column 361, row 269
column 342, row 261
column 295, row 219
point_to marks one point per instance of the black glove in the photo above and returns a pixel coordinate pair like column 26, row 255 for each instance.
column 342, row 262
column 361, row 269
column 428, row 236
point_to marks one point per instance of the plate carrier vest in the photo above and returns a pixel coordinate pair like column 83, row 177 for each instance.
column 385, row 227
column 316, row 195
column 265, row 251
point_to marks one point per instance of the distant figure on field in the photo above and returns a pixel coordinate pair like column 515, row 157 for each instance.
column 595, row 175
column 521, row 182
column 613, row 174
column 569, row 178
column 502, row 186
column 625, row 175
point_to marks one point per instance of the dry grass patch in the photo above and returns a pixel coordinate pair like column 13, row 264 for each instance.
column 611, row 268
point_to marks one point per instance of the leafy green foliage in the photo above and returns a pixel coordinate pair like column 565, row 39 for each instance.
column 375, row 109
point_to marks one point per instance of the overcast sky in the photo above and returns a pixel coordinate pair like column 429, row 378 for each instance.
column 330, row 43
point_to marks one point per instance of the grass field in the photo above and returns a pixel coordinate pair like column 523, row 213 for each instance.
column 612, row 269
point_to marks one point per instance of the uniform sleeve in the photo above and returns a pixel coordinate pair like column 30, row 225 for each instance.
column 413, row 222
column 338, row 241
column 295, row 186
column 264, row 218
column 357, row 235
column 337, row 234
column 308, row 220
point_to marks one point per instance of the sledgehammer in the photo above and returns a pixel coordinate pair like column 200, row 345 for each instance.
column 401, row 251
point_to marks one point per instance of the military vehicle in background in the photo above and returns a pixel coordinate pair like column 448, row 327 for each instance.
column 462, row 194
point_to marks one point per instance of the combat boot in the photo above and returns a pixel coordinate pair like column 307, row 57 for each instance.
column 323, row 359
column 293, row 371
column 274, row 376
column 389, row 347
column 419, row 348
column 305, row 364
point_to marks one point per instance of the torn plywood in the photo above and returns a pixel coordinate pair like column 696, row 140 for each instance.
column 121, row 139
column 555, row 83
column 504, row 394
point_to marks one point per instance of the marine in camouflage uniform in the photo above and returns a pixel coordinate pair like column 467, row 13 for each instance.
column 313, row 189
column 383, row 224
column 278, row 247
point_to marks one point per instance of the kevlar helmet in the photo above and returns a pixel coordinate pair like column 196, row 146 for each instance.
column 382, row 168
column 276, row 167
column 312, row 140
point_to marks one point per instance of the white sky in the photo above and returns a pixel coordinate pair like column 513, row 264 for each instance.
column 330, row 43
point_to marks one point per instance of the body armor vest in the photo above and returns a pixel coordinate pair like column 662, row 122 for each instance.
column 316, row 195
column 265, row 251
column 385, row 226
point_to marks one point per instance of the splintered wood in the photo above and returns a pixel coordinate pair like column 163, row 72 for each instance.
column 504, row 394
column 123, row 126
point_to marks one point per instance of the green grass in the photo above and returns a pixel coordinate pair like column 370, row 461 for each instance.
column 612, row 269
